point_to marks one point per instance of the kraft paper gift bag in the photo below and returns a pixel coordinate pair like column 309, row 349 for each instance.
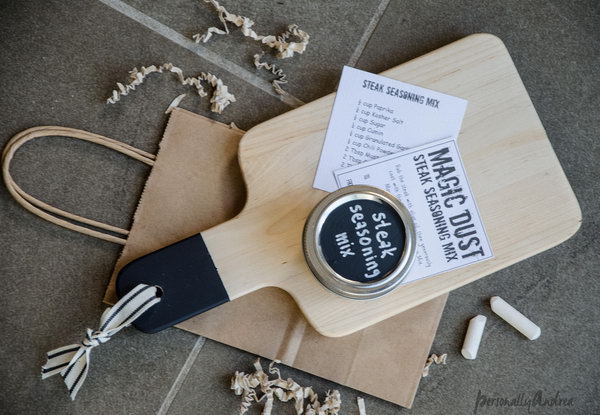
column 195, row 184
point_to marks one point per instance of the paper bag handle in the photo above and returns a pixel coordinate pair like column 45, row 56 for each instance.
column 40, row 208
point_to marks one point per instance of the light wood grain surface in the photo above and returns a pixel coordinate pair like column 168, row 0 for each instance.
column 525, row 200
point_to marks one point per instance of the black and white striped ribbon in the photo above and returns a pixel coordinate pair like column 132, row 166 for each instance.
column 73, row 361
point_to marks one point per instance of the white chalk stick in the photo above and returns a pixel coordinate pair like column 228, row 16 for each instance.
column 361, row 406
column 514, row 318
column 473, row 337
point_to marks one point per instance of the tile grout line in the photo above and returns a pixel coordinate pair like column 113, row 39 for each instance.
column 362, row 43
column 200, row 50
column 181, row 377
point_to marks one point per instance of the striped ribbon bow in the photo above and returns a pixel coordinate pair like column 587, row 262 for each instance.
column 73, row 361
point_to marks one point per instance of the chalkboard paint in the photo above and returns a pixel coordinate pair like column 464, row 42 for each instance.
column 363, row 240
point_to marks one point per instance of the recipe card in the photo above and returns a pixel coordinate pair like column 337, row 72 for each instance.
column 374, row 116
column 430, row 181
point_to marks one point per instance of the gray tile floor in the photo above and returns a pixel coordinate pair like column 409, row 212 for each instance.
column 61, row 59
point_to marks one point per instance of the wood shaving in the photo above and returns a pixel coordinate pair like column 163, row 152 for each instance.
column 285, row 390
column 275, row 70
column 281, row 43
column 434, row 359
column 220, row 99
column 175, row 103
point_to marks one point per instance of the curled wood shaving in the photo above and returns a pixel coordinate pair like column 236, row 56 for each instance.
column 275, row 70
column 281, row 43
column 434, row 359
column 220, row 99
column 306, row 401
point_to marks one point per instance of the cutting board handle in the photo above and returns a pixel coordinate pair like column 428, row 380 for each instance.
column 187, row 277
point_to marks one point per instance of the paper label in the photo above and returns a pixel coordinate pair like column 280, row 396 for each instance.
column 430, row 181
column 374, row 116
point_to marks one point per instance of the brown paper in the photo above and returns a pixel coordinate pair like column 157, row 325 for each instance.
column 195, row 184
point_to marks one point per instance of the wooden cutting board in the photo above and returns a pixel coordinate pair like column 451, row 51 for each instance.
column 524, row 198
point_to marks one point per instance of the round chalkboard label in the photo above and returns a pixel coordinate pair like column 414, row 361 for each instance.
column 362, row 240
column 359, row 242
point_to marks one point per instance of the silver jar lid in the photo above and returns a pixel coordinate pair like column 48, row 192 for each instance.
column 359, row 242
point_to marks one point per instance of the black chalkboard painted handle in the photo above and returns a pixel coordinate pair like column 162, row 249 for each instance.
column 187, row 276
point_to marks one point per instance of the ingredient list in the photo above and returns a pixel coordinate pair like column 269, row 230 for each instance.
column 374, row 116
